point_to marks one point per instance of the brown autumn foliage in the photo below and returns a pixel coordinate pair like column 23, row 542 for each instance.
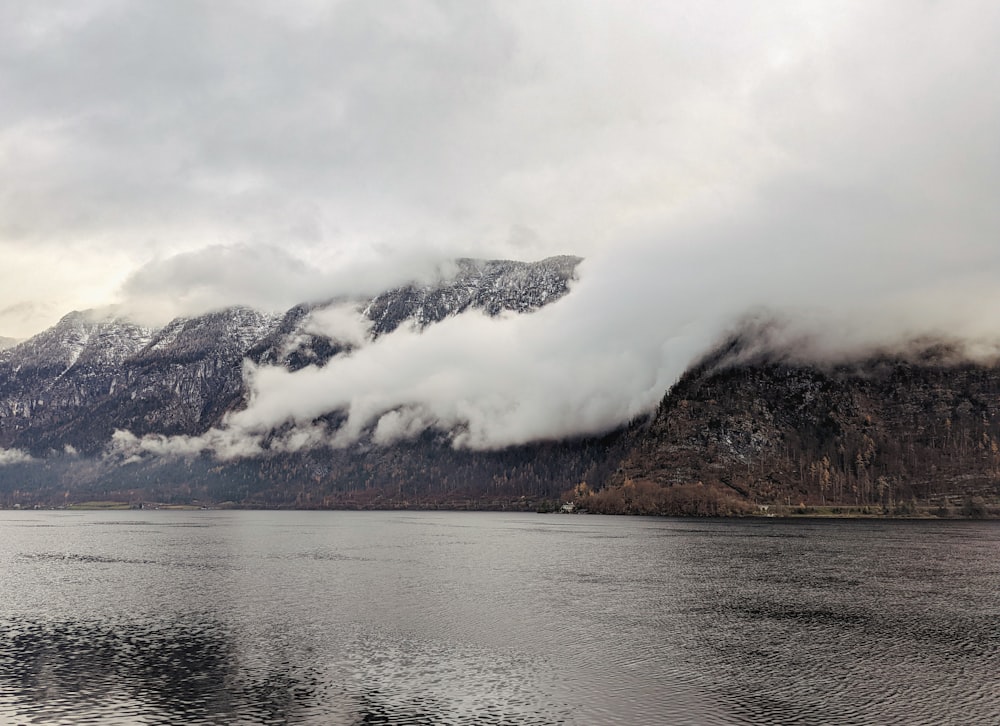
column 916, row 426
column 649, row 498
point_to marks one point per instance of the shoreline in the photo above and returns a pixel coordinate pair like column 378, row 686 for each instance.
column 921, row 513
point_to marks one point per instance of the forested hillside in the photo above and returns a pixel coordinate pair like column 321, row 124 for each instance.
column 890, row 433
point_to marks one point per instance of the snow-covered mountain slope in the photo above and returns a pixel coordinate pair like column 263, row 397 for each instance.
column 493, row 286
column 75, row 383
column 80, row 337
column 57, row 373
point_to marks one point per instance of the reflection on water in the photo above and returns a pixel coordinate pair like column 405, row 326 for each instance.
column 184, row 672
column 490, row 619
column 52, row 671
column 403, row 681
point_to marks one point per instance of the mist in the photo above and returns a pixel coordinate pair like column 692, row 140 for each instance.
column 14, row 456
column 829, row 166
column 632, row 323
column 265, row 277
column 873, row 224
column 164, row 158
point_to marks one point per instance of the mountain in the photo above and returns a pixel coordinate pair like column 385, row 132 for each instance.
column 64, row 392
column 493, row 286
column 76, row 383
column 7, row 342
column 752, row 428
column 889, row 432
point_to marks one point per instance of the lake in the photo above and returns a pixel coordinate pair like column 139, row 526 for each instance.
column 249, row 617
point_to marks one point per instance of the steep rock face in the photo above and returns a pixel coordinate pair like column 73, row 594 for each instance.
column 188, row 375
column 78, row 338
column 290, row 346
column 493, row 286
column 61, row 371
column 74, row 384
column 879, row 431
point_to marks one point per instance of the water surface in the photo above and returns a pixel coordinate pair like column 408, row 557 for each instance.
column 158, row 617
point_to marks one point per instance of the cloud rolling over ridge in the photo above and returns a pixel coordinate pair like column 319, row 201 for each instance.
column 871, row 223
column 610, row 349
column 834, row 165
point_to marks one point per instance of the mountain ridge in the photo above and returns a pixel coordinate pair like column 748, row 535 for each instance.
column 758, row 424
column 91, row 373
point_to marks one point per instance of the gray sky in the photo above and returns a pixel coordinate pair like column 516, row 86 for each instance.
column 836, row 162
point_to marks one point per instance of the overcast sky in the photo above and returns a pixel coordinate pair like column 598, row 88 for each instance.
column 184, row 155
column 833, row 161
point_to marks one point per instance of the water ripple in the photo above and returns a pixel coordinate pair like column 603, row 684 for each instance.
column 368, row 618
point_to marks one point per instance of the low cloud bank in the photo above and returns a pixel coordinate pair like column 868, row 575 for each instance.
column 609, row 350
column 853, row 199
column 265, row 277
column 14, row 456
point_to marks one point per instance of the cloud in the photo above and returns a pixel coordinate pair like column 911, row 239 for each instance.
column 342, row 323
column 132, row 134
column 833, row 164
column 128, row 448
column 14, row 456
column 638, row 317
column 269, row 278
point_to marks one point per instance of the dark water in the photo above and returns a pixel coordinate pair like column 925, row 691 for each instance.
column 490, row 619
